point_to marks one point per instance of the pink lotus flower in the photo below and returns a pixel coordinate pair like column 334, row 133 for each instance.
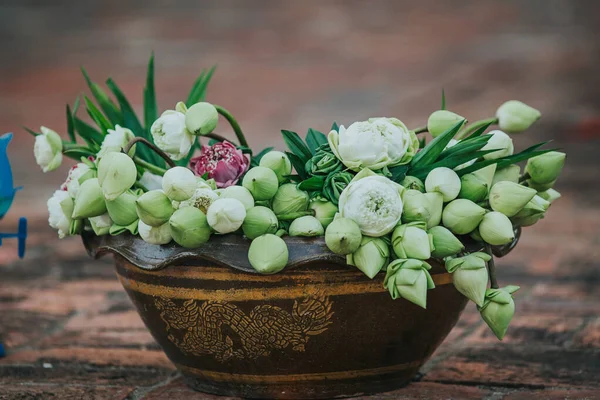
column 223, row 162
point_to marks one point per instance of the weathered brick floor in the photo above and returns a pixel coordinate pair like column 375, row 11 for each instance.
column 70, row 330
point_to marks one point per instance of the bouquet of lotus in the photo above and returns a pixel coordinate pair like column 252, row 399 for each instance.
column 332, row 268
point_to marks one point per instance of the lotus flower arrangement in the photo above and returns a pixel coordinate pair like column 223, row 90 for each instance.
column 377, row 191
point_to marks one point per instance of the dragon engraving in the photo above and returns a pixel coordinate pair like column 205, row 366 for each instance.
column 223, row 330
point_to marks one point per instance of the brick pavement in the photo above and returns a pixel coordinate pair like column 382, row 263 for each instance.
column 69, row 327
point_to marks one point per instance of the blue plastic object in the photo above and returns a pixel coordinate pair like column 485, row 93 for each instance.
column 7, row 194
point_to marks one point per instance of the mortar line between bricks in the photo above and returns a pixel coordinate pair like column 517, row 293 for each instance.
column 141, row 391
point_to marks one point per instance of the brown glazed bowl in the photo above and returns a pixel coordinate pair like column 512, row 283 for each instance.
column 318, row 329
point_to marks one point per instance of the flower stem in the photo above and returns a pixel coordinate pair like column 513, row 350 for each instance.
column 280, row 232
column 234, row 124
column 474, row 126
column 215, row 136
column 491, row 267
column 422, row 129
column 150, row 167
column 152, row 146
column 524, row 177
column 294, row 215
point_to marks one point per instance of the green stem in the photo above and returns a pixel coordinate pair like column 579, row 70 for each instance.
column 524, row 177
column 420, row 130
column 150, row 167
column 491, row 267
column 234, row 124
column 293, row 216
column 474, row 126
column 280, row 232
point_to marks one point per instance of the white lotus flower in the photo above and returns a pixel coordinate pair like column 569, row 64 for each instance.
column 116, row 140
column 74, row 179
column 60, row 209
column 202, row 198
column 171, row 135
column 48, row 149
column 374, row 144
column 374, row 202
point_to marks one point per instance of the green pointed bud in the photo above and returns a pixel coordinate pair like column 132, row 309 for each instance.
column 550, row 195
column 412, row 241
column 261, row 182
column 155, row 234
column 189, row 227
column 509, row 197
column 434, row 205
column 259, row 221
column 412, row 182
column 179, row 183
column 462, row 216
column 48, row 149
column 279, row 163
column 289, row 199
column 410, row 280
column 181, row 107
column 500, row 141
column 324, row 211
column 475, row 186
column 540, row 187
column 516, row 117
column 154, row 208
column 371, row 256
column 510, row 173
column 122, row 210
column 239, row 193
column 532, row 212
column 101, row 224
column 201, row 118
column 442, row 120
column 307, row 226
column 116, row 174
column 268, row 254
column 445, row 244
column 545, row 168
column 226, row 215
column 496, row 229
column 498, row 309
column 415, row 206
column 445, row 181
column 343, row 236
column 470, row 275
column 89, row 201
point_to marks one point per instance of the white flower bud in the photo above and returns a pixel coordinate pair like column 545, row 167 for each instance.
column 500, row 141
column 117, row 139
column 515, row 116
column 226, row 215
column 306, row 226
column 155, row 235
column 171, row 136
column 239, row 193
column 179, row 183
column 116, row 174
column 444, row 181
column 48, row 149
column 201, row 118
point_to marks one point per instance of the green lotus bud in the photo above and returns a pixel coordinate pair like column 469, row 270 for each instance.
column 226, row 215
column 470, row 275
column 334, row 185
column 498, row 309
column 532, row 212
column 324, row 211
column 116, row 174
column 509, row 197
column 100, row 224
column 445, row 244
column 550, row 195
column 412, row 182
column 445, row 181
column 239, row 193
column 189, row 227
column 268, row 254
column 510, row 173
column 545, row 168
column 261, row 182
column 442, row 120
column 48, row 149
column 412, row 241
column 179, row 183
column 122, row 210
column 462, row 216
column 201, row 118
column 496, row 229
column 540, row 187
column 323, row 162
column 279, row 163
column 343, row 236
column 476, row 185
column 516, row 117
column 434, row 205
column 155, row 235
column 154, row 208
column 181, row 107
column 289, row 199
column 89, row 201
column 371, row 256
column 410, row 280
column 415, row 206
column 259, row 220
column 306, row 226
column 500, row 141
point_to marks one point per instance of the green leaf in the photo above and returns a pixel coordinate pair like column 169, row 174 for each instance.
column 398, row 172
column 256, row 159
column 479, row 131
column 106, row 104
column 76, row 105
column 296, row 145
column 466, row 146
column 198, row 91
column 449, row 162
column 70, row 127
column 32, row 132
column 298, row 165
column 335, row 127
column 422, row 142
column 443, row 100
column 313, row 183
column 314, row 139
column 431, row 152
column 150, row 107
column 97, row 116
column 88, row 133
